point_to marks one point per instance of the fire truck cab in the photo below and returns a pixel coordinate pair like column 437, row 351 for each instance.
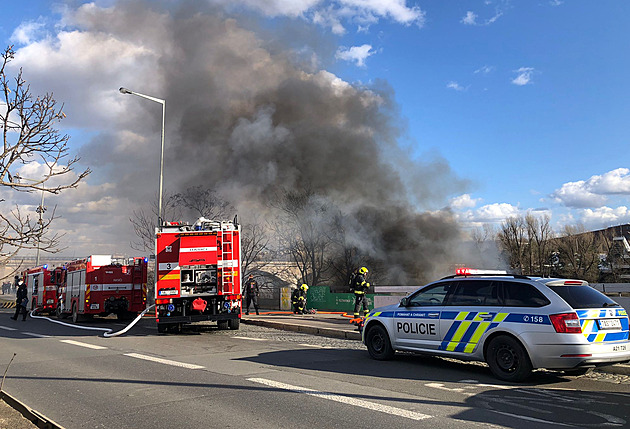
column 198, row 274
column 102, row 285
column 43, row 287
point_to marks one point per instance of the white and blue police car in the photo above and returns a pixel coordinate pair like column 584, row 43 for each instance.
column 515, row 323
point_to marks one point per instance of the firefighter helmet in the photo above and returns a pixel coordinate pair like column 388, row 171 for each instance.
column 304, row 287
column 363, row 270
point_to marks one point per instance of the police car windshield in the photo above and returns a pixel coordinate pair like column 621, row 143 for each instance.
column 580, row 297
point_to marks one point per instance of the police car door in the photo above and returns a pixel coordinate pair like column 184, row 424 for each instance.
column 471, row 310
column 417, row 326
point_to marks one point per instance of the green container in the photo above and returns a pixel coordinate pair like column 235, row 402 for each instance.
column 321, row 298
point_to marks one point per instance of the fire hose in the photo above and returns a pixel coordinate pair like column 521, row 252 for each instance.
column 108, row 331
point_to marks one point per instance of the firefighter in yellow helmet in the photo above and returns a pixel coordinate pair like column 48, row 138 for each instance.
column 359, row 286
column 298, row 299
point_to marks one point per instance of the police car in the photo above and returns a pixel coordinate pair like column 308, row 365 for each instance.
column 514, row 323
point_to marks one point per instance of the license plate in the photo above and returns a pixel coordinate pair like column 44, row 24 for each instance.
column 621, row 348
column 94, row 307
column 609, row 324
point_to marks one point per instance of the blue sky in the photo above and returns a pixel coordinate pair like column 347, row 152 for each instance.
column 525, row 100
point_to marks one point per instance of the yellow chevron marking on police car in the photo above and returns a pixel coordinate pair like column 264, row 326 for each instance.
column 369, row 316
column 600, row 337
column 500, row 317
column 622, row 313
column 479, row 331
column 593, row 314
column 461, row 330
column 588, row 327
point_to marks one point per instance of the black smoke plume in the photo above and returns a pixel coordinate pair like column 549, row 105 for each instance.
column 247, row 118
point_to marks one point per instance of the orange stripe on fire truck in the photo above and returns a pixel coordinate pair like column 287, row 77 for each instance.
column 170, row 277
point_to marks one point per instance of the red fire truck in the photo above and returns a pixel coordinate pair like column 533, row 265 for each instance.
column 102, row 285
column 198, row 274
column 43, row 287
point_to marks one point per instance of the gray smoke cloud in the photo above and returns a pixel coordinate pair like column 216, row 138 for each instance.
column 249, row 120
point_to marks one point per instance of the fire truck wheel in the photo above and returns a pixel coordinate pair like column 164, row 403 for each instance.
column 234, row 324
column 222, row 324
column 162, row 328
column 58, row 312
column 75, row 313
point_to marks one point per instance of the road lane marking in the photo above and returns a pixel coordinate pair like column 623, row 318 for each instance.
column 316, row 346
column 77, row 343
column 32, row 334
column 165, row 361
column 450, row 389
column 399, row 412
column 251, row 339
column 6, row 328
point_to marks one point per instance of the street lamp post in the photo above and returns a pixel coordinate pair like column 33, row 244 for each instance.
column 41, row 209
column 163, row 103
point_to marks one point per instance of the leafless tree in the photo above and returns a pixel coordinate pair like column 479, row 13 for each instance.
column 203, row 202
column 512, row 237
column 144, row 222
column 254, row 246
column 539, row 233
column 28, row 125
column 345, row 257
column 301, row 229
column 579, row 253
column 193, row 203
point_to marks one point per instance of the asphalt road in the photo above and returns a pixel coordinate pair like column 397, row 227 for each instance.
column 265, row 378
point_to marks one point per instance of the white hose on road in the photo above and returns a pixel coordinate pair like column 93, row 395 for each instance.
column 108, row 331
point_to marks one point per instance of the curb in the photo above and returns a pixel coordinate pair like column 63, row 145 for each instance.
column 33, row 416
column 312, row 330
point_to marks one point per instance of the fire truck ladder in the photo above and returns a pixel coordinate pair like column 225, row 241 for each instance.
column 227, row 263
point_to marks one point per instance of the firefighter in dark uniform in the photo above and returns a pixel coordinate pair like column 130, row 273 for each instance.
column 252, row 291
column 21, row 301
column 359, row 287
column 298, row 299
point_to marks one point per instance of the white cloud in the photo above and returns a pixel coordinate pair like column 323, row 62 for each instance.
column 604, row 217
column 485, row 70
column 577, row 194
column 356, row 54
column 594, row 191
column 28, row 31
column 463, row 202
column 333, row 13
column 524, row 76
column 456, row 86
column 614, row 182
column 470, row 18
column 496, row 212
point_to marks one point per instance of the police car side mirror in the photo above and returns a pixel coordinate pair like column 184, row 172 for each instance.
column 404, row 302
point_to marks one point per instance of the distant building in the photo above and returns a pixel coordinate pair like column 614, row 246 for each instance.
column 615, row 256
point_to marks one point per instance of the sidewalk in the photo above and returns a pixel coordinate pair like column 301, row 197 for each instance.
column 326, row 324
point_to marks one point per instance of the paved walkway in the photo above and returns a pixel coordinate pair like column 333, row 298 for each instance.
column 334, row 325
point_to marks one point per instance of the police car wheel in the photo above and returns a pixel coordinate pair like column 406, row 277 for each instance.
column 222, row 325
column 378, row 344
column 508, row 359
